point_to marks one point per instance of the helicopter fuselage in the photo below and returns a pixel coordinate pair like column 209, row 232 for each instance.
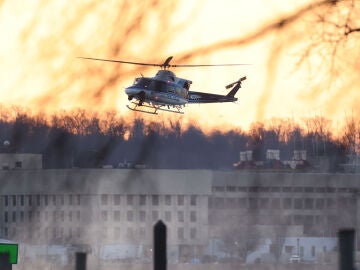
column 164, row 89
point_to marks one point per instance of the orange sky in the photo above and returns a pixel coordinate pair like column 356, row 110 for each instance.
column 41, row 40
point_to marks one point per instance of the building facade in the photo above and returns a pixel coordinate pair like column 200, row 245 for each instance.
column 112, row 211
column 104, row 208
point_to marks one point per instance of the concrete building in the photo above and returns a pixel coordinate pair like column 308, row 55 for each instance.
column 111, row 211
column 103, row 208
column 10, row 161
column 279, row 205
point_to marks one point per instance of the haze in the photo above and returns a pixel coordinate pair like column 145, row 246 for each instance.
column 41, row 40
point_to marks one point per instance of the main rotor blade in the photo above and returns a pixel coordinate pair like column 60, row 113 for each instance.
column 164, row 65
column 206, row 65
column 123, row 62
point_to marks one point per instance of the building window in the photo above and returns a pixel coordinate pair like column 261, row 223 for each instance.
column 21, row 216
column 180, row 215
column 13, row 200
column 193, row 233
column 18, row 164
column 155, row 216
column 6, row 200
column 155, row 199
column 298, row 220
column 192, row 216
column 180, row 233
column 78, row 198
column 104, row 215
column 275, row 189
column 22, row 200
column 298, row 203
column 142, row 233
column 287, row 203
column 313, row 251
column 253, row 203
column 142, row 200
column 231, row 188
column 275, row 203
column 142, row 216
column 231, row 202
column 30, row 216
column 167, row 200
column 286, row 189
column 309, row 203
column 319, row 203
column 289, row 249
column 193, row 200
column 53, row 199
column 14, row 216
column 6, row 217
column 130, row 216
column 70, row 199
column 116, row 215
column 38, row 200
column 331, row 204
column 62, row 201
column 180, row 199
column 117, row 232
column 46, row 200
column 117, row 199
column 168, row 216
column 242, row 203
column 104, row 199
column 70, row 215
column 218, row 189
column 264, row 203
column 130, row 233
column 62, row 216
column 130, row 199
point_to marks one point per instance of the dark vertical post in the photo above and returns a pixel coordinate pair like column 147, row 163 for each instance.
column 80, row 261
column 160, row 260
column 346, row 249
column 5, row 261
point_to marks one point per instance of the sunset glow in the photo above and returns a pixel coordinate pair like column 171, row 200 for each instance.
column 41, row 41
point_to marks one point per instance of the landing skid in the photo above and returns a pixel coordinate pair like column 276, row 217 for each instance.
column 139, row 110
column 155, row 107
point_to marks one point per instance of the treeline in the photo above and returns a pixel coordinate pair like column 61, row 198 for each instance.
column 81, row 139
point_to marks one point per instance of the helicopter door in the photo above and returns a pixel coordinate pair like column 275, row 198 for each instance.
column 171, row 90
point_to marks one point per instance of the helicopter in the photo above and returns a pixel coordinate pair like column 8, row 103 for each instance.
column 166, row 92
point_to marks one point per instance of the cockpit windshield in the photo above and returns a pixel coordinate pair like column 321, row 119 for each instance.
column 160, row 86
column 151, row 84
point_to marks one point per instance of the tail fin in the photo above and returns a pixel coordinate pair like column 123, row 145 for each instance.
column 236, row 86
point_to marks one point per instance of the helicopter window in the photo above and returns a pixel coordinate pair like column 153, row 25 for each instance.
column 186, row 85
column 158, row 86
column 142, row 82
column 181, row 92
